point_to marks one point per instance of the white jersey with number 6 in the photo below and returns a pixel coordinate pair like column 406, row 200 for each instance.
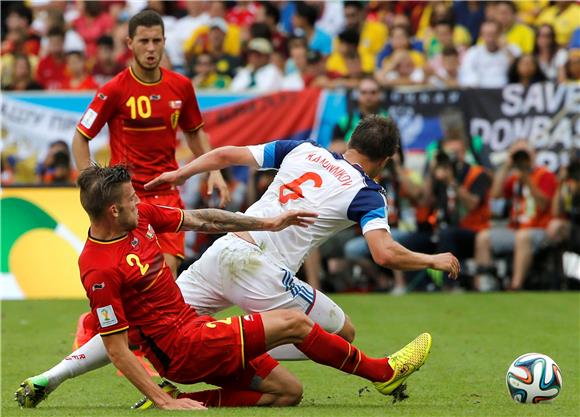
column 311, row 178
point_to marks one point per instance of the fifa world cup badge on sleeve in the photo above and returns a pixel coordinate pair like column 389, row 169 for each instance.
column 107, row 316
column 89, row 118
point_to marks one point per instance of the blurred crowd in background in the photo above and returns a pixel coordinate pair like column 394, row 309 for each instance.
column 509, row 224
column 267, row 46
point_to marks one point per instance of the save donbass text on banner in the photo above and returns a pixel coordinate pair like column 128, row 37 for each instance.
column 546, row 114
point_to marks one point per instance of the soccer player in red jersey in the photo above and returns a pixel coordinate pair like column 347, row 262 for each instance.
column 136, row 300
column 144, row 105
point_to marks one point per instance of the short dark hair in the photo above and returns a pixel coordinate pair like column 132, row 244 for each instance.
column 357, row 4
column 21, row 10
column 492, row 22
column 449, row 51
column 260, row 30
column 308, row 12
column 147, row 18
column 101, row 186
column 55, row 31
column 444, row 22
column 349, row 36
column 375, row 137
column 106, row 40
column 271, row 11
column 510, row 4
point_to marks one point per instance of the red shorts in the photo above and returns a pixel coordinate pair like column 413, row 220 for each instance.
column 171, row 243
column 226, row 352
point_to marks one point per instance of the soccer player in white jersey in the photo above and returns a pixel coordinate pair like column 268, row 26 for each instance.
column 256, row 270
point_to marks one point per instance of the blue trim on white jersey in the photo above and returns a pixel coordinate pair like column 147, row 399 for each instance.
column 269, row 152
column 378, row 213
column 368, row 204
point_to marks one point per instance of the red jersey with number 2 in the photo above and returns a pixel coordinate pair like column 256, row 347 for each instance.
column 143, row 119
column 128, row 282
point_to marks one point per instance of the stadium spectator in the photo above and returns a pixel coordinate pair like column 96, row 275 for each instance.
column 17, row 47
column 203, row 40
column 316, row 74
column 571, row 71
column 373, row 35
column 60, row 172
column 195, row 18
column 299, row 58
column 433, row 14
column 22, row 77
column 260, row 74
column 515, row 33
column 442, row 38
column 529, row 189
column 214, row 42
column 78, row 76
column 487, row 65
column 51, row 71
column 294, row 41
column 550, row 56
column 269, row 14
column 347, row 46
column 443, row 35
column 456, row 195
column 369, row 101
column 400, row 41
column 445, row 74
column 19, row 37
column 105, row 67
column 400, row 70
column 470, row 14
column 304, row 25
column 564, row 227
column 563, row 16
column 205, row 74
column 526, row 70
column 44, row 168
column 94, row 21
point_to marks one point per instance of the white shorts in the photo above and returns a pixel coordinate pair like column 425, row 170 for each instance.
column 235, row 272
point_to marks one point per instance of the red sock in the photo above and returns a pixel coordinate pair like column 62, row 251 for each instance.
column 225, row 397
column 332, row 350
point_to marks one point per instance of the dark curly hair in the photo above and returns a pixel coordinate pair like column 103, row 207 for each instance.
column 375, row 137
column 101, row 186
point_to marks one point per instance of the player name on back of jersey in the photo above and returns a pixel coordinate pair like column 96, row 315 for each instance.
column 336, row 171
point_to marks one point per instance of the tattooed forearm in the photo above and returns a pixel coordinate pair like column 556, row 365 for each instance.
column 220, row 221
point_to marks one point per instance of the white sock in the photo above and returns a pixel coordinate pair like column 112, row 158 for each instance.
column 90, row 356
column 287, row 353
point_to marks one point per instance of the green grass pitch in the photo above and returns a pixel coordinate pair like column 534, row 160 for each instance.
column 475, row 338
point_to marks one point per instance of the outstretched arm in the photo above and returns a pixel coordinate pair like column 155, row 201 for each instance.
column 198, row 142
column 221, row 221
column 118, row 350
column 390, row 254
column 214, row 160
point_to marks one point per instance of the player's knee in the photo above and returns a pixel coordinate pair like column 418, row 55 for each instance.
column 292, row 394
column 348, row 331
column 298, row 323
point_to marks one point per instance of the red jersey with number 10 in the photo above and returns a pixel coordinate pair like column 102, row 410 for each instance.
column 143, row 119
